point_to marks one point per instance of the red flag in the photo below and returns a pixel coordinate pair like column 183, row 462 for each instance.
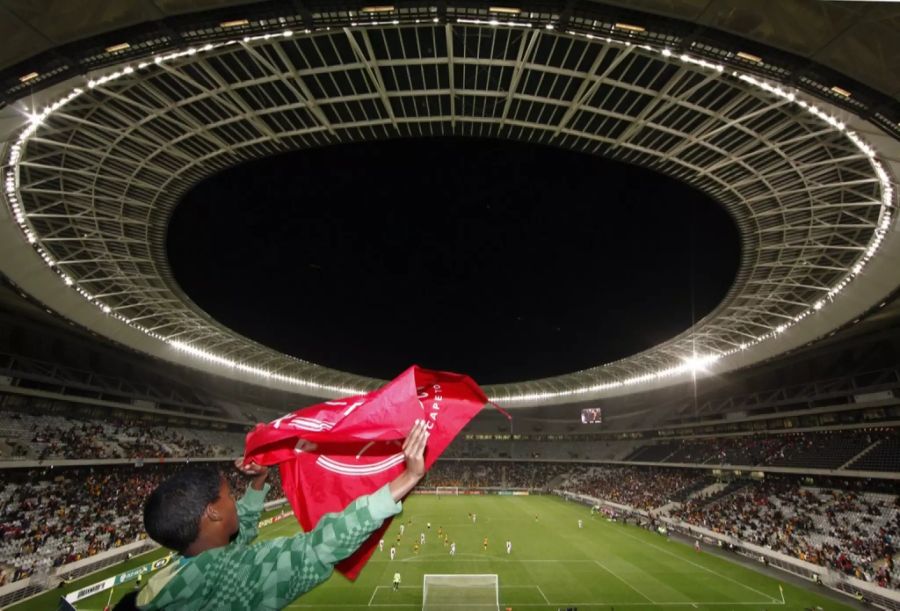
column 359, row 443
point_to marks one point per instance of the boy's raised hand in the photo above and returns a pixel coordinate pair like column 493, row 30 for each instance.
column 414, row 452
column 251, row 468
column 258, row 472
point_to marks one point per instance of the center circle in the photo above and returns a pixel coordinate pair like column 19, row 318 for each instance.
column 503, row 260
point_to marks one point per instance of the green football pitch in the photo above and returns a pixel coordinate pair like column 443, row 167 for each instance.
column 553, row 564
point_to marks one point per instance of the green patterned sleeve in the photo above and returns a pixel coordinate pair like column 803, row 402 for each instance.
column 301, row 562
column 249, row 508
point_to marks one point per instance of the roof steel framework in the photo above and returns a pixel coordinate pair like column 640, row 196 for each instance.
column 97, row 177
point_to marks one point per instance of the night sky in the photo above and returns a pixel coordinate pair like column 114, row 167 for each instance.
column 498, row 259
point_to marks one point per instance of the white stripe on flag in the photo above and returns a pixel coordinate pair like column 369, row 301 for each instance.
column 309, row 424
column 350, row 409
column 345, row 469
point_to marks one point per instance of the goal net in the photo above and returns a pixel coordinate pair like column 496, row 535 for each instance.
column 447, row 490
column 458, row 592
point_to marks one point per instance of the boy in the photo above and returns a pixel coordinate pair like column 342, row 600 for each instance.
column 194, row 513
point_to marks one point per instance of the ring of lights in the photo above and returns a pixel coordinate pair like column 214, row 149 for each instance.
column 93, row 177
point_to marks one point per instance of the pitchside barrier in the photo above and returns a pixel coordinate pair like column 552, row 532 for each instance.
column 24, row 589
column 845, row 584
column 111, row 582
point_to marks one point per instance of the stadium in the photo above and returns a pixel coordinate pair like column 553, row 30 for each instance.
column 739, row 451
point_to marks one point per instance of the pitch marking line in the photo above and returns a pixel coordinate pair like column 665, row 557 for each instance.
column 374, row 592
column 488, row 558
column 567, row 604
column 633, row 589
column 445, row 556
column 700, row 566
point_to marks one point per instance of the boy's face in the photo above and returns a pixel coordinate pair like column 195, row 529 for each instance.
column 226, row 507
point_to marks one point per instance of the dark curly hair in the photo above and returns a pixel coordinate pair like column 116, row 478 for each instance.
column 172, row 512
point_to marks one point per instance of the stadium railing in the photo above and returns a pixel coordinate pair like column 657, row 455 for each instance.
column 845, row 584
column 57, row 463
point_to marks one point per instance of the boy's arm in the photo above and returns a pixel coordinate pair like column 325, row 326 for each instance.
column 301, row 562
column 250, row 506
column 249, row 509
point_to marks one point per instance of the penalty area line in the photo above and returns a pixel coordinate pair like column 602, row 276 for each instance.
column 374, row 592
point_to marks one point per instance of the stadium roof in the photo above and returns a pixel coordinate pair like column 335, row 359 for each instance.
column 856, row 40
column 793, row 129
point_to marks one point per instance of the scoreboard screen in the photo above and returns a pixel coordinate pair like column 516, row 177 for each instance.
column 591, row 415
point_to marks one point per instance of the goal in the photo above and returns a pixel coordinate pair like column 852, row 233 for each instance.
column 447, row 490
column 458, row 592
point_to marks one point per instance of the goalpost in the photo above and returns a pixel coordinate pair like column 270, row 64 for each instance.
column 456, row 592
column 454, row 490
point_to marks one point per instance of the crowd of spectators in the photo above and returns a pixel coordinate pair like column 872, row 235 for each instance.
column 641, row 488
column 539, row 449
column 493, row 474
column 850, row 531
column 818, row 449
column 832, row 449
column 827, row 449
column 57, row 516
column 54, row 437
column 743, row 450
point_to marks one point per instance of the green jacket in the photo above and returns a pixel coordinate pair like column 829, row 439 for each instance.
column 270, row 574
